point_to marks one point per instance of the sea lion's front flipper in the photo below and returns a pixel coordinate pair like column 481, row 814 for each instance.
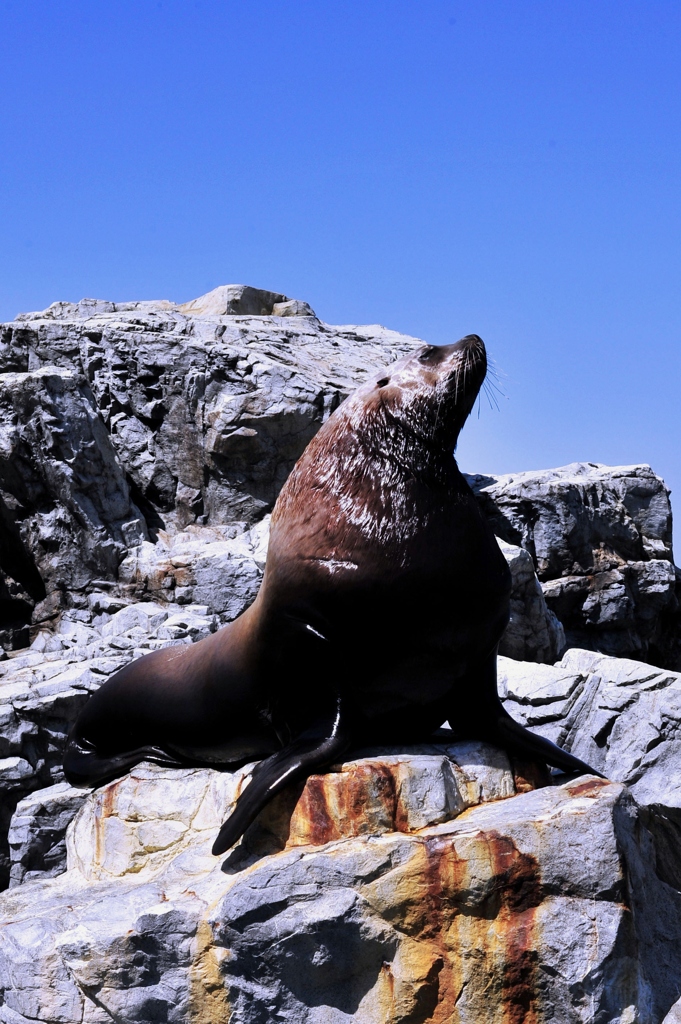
column 317, row 747
column 516, row 739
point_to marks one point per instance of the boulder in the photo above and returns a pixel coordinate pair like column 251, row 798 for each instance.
column 387, row 892
column 601, row 541
column 66, row 514
column 207, row 411
column 237, row 300
column 620, row 716
column 292, row 307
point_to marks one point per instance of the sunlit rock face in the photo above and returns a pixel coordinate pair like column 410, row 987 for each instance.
column 141, row 447
column 601, row 541
column 395, row 888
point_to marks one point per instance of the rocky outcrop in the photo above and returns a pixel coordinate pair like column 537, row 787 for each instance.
column 390, row 890
column 124, row 422
column 242, row 300
column 601, row 541
column 43, row 689
column 206, row 410
column 141, row 447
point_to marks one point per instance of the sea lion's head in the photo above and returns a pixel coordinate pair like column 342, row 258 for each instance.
column 428, row 395
column 403, row 423
column 356, row 484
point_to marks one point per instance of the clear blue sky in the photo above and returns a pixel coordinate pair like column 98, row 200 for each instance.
column 504, row 167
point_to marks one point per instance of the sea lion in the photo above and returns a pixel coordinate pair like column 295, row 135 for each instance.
column 384, row 598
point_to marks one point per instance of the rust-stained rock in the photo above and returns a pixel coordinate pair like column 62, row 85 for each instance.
column 538, row 907
column 142, row 821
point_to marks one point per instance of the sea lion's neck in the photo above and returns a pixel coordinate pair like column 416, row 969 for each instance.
column 370, row 484
column 395, row 446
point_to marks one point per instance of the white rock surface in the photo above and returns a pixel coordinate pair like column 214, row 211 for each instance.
column 533, row 632
column 543, row 906
column 622, row 717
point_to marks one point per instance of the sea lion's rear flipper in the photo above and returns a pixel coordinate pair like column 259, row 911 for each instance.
column 516, row 739
column 317, row 747
column 85, row 768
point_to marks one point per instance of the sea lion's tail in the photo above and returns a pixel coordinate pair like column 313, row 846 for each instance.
column 516, row 739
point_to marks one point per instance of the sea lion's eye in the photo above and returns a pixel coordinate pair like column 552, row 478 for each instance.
column 428, row 353
column 382, row 382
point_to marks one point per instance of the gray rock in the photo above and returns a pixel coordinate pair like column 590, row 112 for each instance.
column 534, row 633
column 622, row 717
column 207, row 410
column 66, row 515
column 545, row 903
column 37, row 833
column 601, row 541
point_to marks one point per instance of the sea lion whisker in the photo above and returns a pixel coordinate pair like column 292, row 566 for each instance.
column 491, row 397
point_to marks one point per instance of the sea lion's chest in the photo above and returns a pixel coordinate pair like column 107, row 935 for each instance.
column 414, row 575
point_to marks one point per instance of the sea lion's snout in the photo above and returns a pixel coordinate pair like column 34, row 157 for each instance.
column 432, row 391
column 469, row 349
column 464, row 364
column 455, row 374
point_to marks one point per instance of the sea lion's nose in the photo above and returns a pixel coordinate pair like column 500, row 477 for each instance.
column 471, row 341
